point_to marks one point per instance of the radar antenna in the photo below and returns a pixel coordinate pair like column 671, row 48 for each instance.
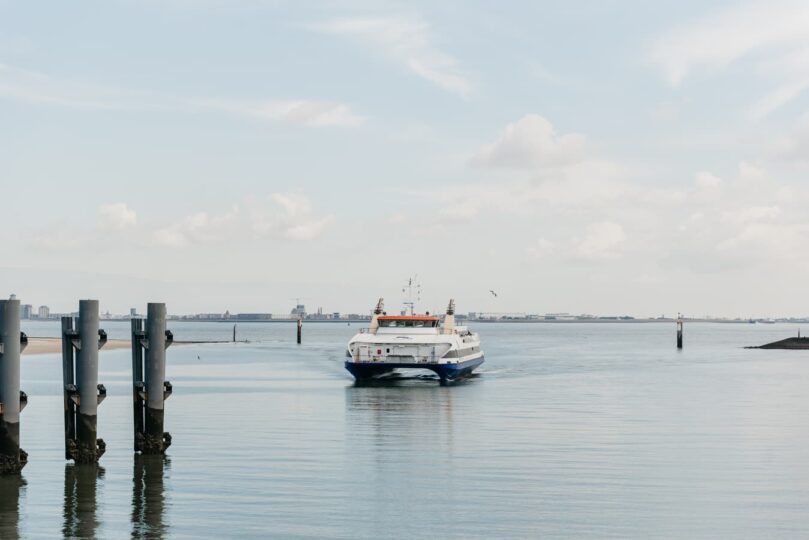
column 413, row 286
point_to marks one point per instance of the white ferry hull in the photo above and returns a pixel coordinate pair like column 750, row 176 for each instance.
column 446, row 372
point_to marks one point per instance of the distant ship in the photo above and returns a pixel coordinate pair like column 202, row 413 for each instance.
column 393, row 342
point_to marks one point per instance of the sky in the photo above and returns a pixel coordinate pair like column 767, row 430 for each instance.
column 588, row 156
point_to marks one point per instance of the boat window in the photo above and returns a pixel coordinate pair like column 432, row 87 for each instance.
column 407, row 323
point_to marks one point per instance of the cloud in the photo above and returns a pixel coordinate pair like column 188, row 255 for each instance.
column 531, row 142
column 310, row 113
column 795, row 146
column 282, row 215
column 728, row 35
column 408, row 41
column 33, row 87
column 291, row 216
column 772, row 34
column 707, row 181
column 602, row 241
column 116, row 217
column 541, row 249
column 458, row 211
column 199, row 228
column 38, row 88
column 595, row 210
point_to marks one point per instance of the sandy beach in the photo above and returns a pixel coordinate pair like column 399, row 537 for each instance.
column 39, row 345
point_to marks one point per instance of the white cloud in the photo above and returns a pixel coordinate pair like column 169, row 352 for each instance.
column 708, row 181
column 772, row 34
column 751, row 214
column 291, row 216
column 33, row 87
column 460, row 210
column 531, row 142
column 730, row 34
column 795, row 146
column 602, row 241
column 38, row 88
column 199, row 228
column 282, row 215
column 116, row 216
column 309, row 113
column 409, row 41
column 541, row 249
column 744, row 219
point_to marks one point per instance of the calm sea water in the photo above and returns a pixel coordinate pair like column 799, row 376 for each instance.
column 569, row 431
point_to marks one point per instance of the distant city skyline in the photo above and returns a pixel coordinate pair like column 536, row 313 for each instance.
column 586, row 157
column 300, row 311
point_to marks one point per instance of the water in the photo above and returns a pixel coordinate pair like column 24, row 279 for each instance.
column 569, row 431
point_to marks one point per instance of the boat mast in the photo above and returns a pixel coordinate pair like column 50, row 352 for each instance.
column 409, row 301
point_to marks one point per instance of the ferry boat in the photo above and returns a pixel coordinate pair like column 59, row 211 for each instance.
column 394, row 342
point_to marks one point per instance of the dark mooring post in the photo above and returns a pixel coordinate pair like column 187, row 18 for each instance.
column 234, row 333
column 150, row 387
column 12, row 400
column 138, row 389
column 300, row 330
column 82, row 393
column 679, row 331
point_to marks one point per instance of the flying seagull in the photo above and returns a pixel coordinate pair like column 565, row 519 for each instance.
column 493, row 293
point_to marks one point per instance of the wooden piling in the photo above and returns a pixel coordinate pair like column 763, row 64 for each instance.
column 300, row 330
column 679, row 331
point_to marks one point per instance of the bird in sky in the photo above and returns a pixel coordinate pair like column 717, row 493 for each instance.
column 493, row 293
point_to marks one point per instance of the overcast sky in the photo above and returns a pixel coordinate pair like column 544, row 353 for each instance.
column 596, row 156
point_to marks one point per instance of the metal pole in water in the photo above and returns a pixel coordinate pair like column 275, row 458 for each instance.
column 68, row 383
column 157, row 388
column 12, row 400
column 149, row 377
column 82, row 443
column 300, row 330
column 679, row 331
column 137, row 381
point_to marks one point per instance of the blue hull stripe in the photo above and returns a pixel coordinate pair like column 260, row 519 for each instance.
column 368, row 370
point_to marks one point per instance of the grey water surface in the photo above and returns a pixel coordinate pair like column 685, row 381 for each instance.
column 568, row 431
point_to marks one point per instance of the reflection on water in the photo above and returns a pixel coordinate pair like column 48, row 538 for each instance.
column 80, row 519
column 402, row 413
column 10, row 489
column 148, row 496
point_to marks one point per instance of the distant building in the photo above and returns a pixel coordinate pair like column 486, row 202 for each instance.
column 133, row 313
column 26, row 311
column 208, row 316
column 254, row 316
column 298, row 311
column 44, row 312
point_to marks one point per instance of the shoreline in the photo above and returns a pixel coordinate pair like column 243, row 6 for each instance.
column 52, row 345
